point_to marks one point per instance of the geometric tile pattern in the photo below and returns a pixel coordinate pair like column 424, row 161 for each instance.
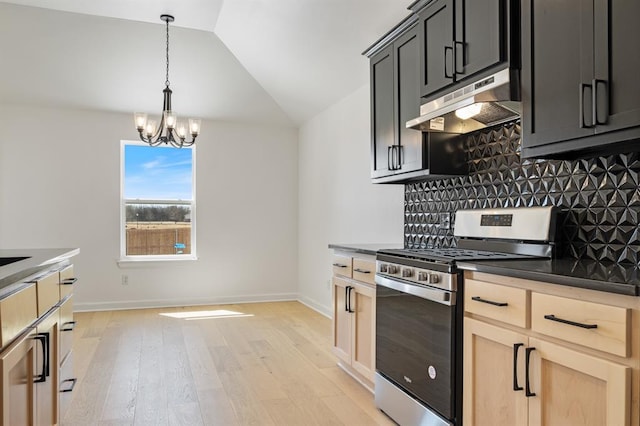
column 599, row 198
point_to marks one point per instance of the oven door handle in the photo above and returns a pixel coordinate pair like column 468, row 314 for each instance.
column 435, row 295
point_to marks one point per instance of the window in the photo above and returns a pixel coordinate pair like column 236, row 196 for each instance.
column 157, row 202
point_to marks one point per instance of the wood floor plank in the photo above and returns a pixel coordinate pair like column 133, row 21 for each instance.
column 271, row 364
column 246, row 406
column 216, row 408
column 151, row 405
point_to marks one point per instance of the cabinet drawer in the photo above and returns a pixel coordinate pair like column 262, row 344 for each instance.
column 598, row 326
column 364, row 270
column 48, row 292
column 67, row 324
column 506, row 304
column 67, row 279
column 17, row 312
column 342, row 265
column 67, row 383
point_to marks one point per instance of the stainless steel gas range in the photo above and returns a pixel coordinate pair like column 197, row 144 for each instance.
column 419, row 313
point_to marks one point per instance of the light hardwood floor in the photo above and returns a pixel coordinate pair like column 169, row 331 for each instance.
column 258, row 364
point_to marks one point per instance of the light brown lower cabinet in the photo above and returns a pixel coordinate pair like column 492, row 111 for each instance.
column 354, row 326
column 36, row 363
column 540, row 354
column 17, row 369
column 513, row 379
column 46, row 376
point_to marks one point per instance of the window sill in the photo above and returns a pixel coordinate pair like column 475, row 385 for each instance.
column 143, row 262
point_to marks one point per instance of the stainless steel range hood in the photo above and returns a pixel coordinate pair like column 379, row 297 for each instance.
column 495, row 99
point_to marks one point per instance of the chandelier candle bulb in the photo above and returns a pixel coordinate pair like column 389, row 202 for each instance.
column 181, row 130
column 151, row 128
column 170, row 119
column 194, row 127
column 141, row 120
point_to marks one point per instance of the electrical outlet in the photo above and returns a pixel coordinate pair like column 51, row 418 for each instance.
column 445, row 221
column 125, row 280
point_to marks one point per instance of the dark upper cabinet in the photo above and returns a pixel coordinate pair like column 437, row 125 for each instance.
column 480, row 40
column 399, row 154
column 580, row 92
column 383, row 134
column 437, row 47
column 458, row 39
column 406, row 66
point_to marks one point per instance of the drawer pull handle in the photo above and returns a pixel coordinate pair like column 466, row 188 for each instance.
column 339, row 265
column 68, row 326
column 489, row 302
column 575, row 324
column 362, row 271
column 68, row 281
column 516, row 347
column 527, row 361
column 42, row 338
column 70, row 388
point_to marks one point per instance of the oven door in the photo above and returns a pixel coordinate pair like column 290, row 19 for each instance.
column 415, row 341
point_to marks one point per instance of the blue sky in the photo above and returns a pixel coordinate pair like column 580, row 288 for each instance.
column 157, row 172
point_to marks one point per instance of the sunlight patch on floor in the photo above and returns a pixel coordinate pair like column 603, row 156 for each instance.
column 200, row 315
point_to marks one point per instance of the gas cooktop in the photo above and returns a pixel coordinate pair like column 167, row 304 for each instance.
column 452, row 254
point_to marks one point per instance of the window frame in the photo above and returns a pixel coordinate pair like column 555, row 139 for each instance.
column 124, row 258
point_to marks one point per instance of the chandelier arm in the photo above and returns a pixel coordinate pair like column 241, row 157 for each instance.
column 160, row 128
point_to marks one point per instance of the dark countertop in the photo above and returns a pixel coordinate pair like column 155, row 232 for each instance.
column 589, row 274
column 602, row 276
column 365, row 248
column 14, row 275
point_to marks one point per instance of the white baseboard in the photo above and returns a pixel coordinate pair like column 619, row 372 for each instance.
column 321, row 309
column 170, row 303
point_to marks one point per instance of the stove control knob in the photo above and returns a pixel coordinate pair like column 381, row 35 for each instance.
column 423, row 276
column 383, row 267
column 434, row 278
column 393, row 269
column 406, row 273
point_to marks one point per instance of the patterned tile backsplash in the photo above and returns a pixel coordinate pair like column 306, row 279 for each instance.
column 599, row 198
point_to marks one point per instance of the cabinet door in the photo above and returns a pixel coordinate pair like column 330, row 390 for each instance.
column 617, row 61
column 363, row 331
column 382, row 115
column 341, row 320
column 406, row 53
column 576, row 389
column 47, row 366
column 557, row 71
column 17, row 365
column 436, row 40
column 489, row 397
column 479, row 28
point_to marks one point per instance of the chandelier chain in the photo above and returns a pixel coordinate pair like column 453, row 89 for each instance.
column 167, row 79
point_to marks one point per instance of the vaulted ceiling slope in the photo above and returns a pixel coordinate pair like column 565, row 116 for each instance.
column 264, row 61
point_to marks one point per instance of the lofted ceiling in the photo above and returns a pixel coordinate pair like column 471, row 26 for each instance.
column 266, row 61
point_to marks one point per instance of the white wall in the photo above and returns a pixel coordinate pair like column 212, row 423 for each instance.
column 59, row 187
column 337, row 201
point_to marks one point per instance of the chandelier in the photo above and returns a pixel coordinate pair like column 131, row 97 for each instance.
column 170, row 131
